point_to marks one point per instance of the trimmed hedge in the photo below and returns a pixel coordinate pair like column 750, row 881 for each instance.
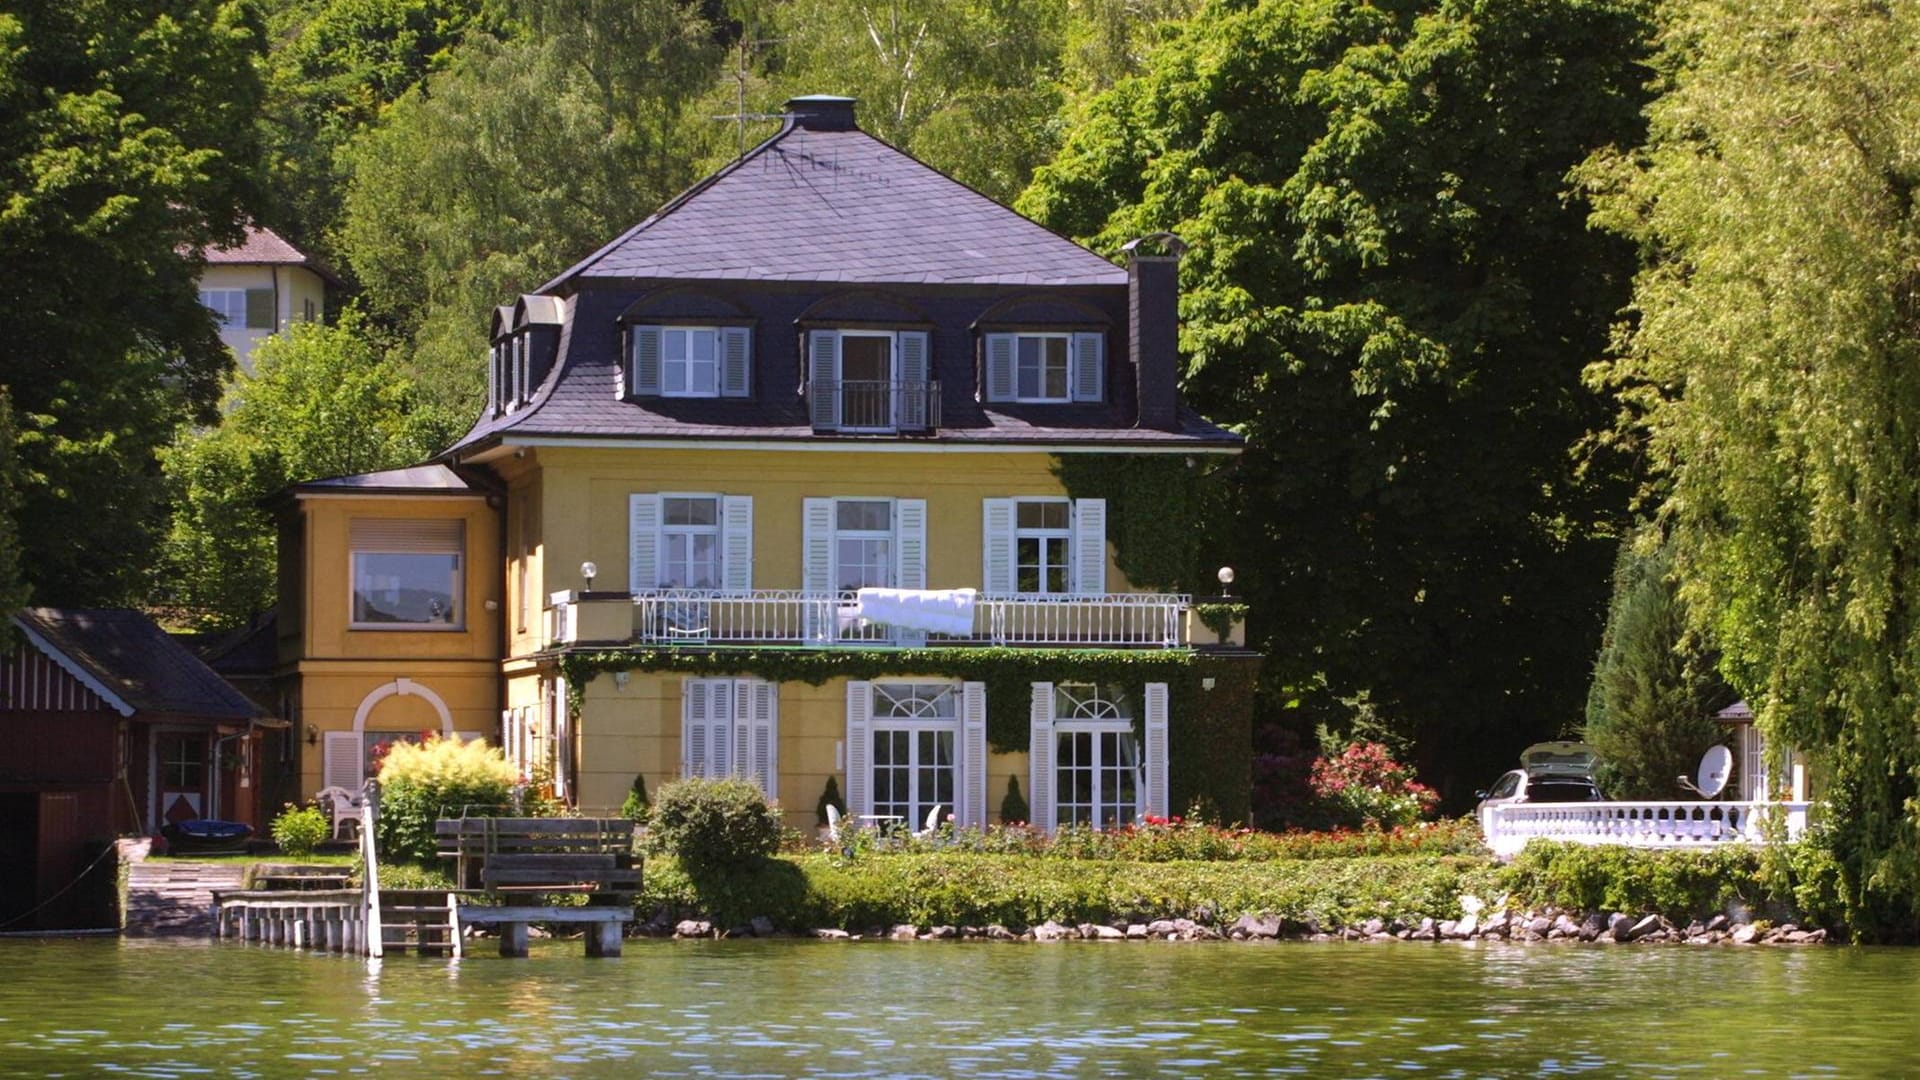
column 961, row 889
column 1798, row 882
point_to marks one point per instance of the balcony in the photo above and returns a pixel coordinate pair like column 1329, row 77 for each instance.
column 874, row 406
column 795, row 617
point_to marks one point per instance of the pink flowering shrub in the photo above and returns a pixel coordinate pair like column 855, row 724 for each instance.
column 1364, row 786
column 1176, row 839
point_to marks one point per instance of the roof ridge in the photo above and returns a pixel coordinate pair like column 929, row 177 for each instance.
column 667, row 208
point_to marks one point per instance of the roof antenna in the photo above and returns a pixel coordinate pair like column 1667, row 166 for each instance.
column 740, row 114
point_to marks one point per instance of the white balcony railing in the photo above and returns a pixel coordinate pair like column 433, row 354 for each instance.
column 796, row 617
column 1677, row 824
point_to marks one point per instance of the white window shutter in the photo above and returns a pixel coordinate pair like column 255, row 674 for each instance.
column 1156, row 756
column 342, row 767
column 972, row 811
column 817, row 545
column 1090, row 546
column 736, row 543
column 1089, row 367
column 859, row 748
column 763, row 716
column 999, row 367
column 643, row 543
column 720, row 727
column 910, row 543
column 694, row 736
column 643, row 369
column 996, row 572
column 1040, row 757
column 823, row 377
column 914, row 375
column 740, row 729
column 736, row 361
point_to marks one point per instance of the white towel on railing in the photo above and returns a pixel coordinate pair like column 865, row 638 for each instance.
column 936, row 611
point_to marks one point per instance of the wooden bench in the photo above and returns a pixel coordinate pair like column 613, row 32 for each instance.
column 514, row 858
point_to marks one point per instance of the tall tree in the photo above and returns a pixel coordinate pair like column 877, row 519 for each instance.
column 13, row 590
column 322, row 402
column 1774, row 373
column 1650, row 710
column 1391, row 294
column 523, row 156
column 126, row 139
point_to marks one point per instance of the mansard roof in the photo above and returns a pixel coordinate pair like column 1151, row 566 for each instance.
column 822, row 200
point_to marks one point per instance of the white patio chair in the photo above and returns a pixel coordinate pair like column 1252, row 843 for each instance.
column 933, row 822
column 833, row 824
column 343, row 805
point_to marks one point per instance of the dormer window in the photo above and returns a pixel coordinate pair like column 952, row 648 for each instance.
column 689, row 361
column 510, row 380
column 1045, row 368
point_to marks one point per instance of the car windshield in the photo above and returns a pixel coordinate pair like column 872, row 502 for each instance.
column 1553, row 791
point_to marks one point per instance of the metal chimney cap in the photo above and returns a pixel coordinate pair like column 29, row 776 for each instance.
column 1170, row 244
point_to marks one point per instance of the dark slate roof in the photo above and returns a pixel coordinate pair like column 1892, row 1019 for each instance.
column 825, row 203
column 250, row 651
column 413, row 480
column 135, row 660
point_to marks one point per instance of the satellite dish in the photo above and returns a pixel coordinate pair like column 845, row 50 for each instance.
column 1716, row 766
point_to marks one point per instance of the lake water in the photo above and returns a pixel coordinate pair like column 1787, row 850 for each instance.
column 801, row 1008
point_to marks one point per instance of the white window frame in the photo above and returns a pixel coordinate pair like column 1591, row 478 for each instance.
column 890, row 535
column 731, row 751
column 685, row 362
column 892, row 338
column 1066, row 360
column 1088, row 709
column 230, row 316
column 716, row 530
column 1063, row 534
column 890, row 723
column 459, row 589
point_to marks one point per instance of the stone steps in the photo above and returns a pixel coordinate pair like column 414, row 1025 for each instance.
column 176, row 897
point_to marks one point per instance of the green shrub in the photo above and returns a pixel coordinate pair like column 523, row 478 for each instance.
column 1796, row 882
column 708, row 824
column 421, row 783
column 636, row 804
column 299, row 829
column 956, row 889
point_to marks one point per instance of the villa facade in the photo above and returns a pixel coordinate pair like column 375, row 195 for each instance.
column 767, row 487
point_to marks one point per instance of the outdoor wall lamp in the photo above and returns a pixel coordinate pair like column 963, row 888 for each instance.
column 1226, row 579
column 313, row 735
column 589, row 571
column 620, row 679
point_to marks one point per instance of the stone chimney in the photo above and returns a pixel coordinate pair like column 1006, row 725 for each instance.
column 1153, row 327
column 822, row 112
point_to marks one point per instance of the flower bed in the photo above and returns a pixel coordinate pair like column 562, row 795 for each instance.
column 1174, row 839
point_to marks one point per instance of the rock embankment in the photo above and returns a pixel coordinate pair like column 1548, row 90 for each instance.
column 1542, row 926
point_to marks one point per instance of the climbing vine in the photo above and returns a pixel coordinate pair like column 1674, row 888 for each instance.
column 1219, row 617
column 1155, row 510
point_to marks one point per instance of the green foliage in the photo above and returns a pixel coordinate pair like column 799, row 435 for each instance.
column 126, row 140
column 636, row 805
column 957, row 889
column 1363, row 786
column 1220, row 617
column 299, row 829
column 829, row 796
column 712, row 824
column 1650, row 712
column 420, row 783
column 1013, row 807
column 1773, row 377
column 1153, row 503
column 321, row 402
column 13, row 590
column 1797, row 882
column 1391, row 292
column 517, row 159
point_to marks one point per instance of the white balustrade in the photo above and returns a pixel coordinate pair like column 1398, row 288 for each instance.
column 796, row 617
column 1675, row 824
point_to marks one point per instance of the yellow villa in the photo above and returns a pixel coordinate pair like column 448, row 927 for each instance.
column 771, row 486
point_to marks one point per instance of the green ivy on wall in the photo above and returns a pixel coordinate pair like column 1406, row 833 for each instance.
column 1219, row 616
column 1154, row 512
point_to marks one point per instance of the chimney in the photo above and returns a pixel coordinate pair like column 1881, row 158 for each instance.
column 1153, row 327
column 822, row 112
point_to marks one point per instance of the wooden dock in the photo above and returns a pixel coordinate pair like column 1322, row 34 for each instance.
column 513, row 860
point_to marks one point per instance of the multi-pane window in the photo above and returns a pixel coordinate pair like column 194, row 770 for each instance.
column 689, row 361
column 915, row 729
column 1096, row 757
column 1043, row 532
column 863, row 543
column 1040, row 367
column 690, row 542
column 228, row 305
column 183, row 766
column 407, row 574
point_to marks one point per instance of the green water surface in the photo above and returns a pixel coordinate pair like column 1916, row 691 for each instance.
column 801, row 1008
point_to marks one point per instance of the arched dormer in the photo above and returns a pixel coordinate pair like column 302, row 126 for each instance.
column 686, row 341
column 526, row 342
column 1038, row 348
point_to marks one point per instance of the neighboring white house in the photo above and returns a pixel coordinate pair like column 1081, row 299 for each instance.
column 262, row 287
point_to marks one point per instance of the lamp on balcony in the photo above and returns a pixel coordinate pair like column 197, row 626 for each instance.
column 1226, row 579
column 588, row 570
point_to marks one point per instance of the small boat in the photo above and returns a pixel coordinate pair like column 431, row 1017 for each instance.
column 206, row 835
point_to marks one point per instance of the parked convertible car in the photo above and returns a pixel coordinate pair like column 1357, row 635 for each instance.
column 1552, row 772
